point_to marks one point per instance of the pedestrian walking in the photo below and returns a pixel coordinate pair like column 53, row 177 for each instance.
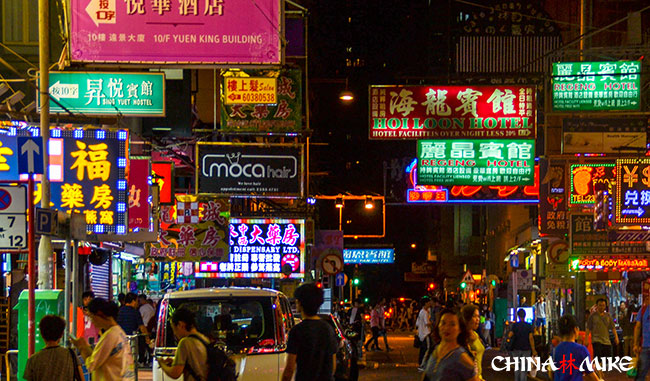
column 110, row 359
column 382, row 323
column 191, row 358
column 486, row 328
column 311, row 345
column 523, row 344
column 375, row 322
column 568, row 350
column 423, row 326
column 598, row 327
column 54, row 362
column 91, row 333
column 356, row 323
column 642, row 341
column 540, row 315
column 471, row 319
column 450, row 360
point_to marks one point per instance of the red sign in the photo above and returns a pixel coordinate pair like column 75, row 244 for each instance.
column 477, row 112
column 553, row 195
column 163, row 175
column 138, row 183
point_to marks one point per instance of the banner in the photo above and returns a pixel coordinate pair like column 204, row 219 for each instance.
column 138, row 188
column 476, row 162
column 246, row 107
column 195, row 229
column 249, row 169
column 164, row 32
column 464, row 112
column 604, row 135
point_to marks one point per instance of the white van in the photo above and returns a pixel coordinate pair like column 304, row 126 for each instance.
column 252, row 323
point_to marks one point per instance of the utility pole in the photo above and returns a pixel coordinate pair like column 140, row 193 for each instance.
column 45, row 246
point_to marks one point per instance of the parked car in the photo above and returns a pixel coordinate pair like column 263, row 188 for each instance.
column 346, row 358
column 251, row 324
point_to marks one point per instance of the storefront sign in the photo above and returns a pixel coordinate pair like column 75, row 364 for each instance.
column 193, row 230
column 261, row 248
column 162, row 173
column 553, row 195
column 604, row 135
column 249, row 169
column 249, row 90
column 490, row 194
column 463, row 112
column 596, row 86
column 256, row 112
column 100, row 93
column 632, row 204
column 586, row 177
column 154, row 32
column 587, row 240
column 365, row 256
column 138, row 188
column 610, row 263
column 476, row 162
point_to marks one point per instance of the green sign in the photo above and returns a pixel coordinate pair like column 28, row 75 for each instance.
column 596, row 86
column 476, row 162
column 101, row 93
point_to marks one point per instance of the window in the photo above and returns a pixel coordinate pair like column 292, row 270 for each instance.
column 20, row 22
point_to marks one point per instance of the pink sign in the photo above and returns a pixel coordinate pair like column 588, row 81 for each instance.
column 138, row 184
column 166, row 31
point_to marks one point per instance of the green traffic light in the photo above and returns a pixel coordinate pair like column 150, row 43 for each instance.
column 355, row 281
column 365, row 300
column 493, row 283
column 463, row 285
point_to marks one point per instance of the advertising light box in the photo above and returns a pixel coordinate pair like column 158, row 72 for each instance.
column 261, row 248
column 476, row 162
column 166, row 32
column 632, row 191
column 367, row 256
column 596, row 86
column 463, row 112
column 586, row 177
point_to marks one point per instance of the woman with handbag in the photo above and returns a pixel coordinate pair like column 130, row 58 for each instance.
column 450, row 360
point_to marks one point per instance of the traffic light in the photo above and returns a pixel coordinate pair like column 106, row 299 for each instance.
column 463, row 285
column 365, row 300
column 493, row 283
column 319, row 285
column 432, row 286
column 356, row 281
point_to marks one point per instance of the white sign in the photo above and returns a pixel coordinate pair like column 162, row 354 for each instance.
column 524, row 280
column 13, row 219
column 467, row 278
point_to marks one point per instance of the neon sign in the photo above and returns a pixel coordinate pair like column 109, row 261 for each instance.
column 259, row 248
column 610, row 264
column 363, row 256
column 585, row 178
column 633, row 191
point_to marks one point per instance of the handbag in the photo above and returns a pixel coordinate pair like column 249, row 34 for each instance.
column 416, row 341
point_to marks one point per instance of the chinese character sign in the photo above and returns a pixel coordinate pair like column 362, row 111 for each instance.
column 585, row 239
column 633, row 191
column 195, row 229
column 587, row 178
column 362, row 256
column 553, row 212
column 249, row 90
column 591, row 86
column 255, row 112
column 262, row 247
column 476, row 162
column 185, row 31
column 470, row 112
column 98, row 93
column 138, row 193
column 162, row 174
column 93, row 166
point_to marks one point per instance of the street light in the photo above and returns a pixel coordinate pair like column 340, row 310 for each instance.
column 339, row 202
column 346, row 95
column 369, row 204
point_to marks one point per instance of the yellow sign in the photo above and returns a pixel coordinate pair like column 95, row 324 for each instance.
column 250, row 90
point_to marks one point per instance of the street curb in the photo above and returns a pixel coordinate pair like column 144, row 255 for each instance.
column 377, row 365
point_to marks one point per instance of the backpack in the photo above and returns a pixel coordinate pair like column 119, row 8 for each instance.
column 220, row 366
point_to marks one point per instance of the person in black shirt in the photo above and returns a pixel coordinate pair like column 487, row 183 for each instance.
column 312, row 344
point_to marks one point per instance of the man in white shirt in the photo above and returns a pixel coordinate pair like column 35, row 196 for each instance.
column 423, row 325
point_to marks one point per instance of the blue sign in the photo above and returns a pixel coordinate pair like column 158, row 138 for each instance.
column 30, row 155
column 339, row 280
column 514, row 260
column 362, row 256
column 45, row 220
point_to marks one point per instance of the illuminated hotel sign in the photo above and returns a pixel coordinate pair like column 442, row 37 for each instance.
column 261, row 248
column 469, row 112
column 633, row 191
column 492, row 194
column 596, row 86
column 365, row 256
column 584, row 177
column 476, row 162
column 610, row 263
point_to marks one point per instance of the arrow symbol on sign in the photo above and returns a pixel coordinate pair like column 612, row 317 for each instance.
column 31, row 148
column 63, row 90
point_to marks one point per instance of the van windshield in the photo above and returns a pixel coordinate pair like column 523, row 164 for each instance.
column 238, row 323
